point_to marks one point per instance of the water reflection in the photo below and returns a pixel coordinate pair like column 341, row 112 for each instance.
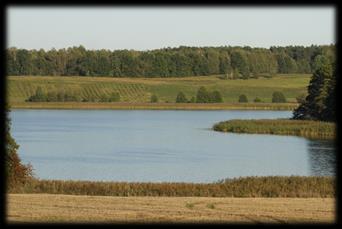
column 322, row 157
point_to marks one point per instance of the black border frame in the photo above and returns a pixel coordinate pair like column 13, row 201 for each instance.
column 153, row 3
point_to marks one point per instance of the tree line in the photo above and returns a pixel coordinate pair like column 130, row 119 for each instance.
column 232, row 62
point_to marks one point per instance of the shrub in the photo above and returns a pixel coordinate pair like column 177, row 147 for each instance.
column 39, row 96
column 243, row 99
column 181, row 98
column 51, row 96
column 215, row 97
column 202, row 95
column 278, row 97
column 192, row 100
column 257, row 100
column 154, row 98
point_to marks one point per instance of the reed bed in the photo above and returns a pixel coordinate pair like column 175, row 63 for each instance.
column 304, row 128
column 272, row 186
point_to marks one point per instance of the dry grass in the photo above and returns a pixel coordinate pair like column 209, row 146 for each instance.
column 269, row 186
column 86, row 209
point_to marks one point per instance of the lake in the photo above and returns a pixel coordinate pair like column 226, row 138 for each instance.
column 158, row 146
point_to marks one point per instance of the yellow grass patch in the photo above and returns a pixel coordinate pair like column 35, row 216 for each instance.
column 69, row 208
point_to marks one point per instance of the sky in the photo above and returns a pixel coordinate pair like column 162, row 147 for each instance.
column 143, row 28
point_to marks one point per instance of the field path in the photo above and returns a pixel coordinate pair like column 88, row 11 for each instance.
column 106, row 209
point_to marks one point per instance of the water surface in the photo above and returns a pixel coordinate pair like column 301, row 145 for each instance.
column 156, row 146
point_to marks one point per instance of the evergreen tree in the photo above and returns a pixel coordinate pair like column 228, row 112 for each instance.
column 315, row 104
column 278, row 97
column 154, row 98
column 181, row 98
column 257, row 100
column 215, row 97
column 243, row 99
column 192, row 100
column 202, row 95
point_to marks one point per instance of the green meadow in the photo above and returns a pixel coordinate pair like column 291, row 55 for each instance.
column 139, row 90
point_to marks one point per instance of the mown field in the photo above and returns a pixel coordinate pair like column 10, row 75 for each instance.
column 139, row 90
column 48, row 208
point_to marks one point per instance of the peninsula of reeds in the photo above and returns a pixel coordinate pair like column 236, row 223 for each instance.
column 303, row 128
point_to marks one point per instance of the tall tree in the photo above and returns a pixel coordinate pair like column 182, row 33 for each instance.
column 315, row 104
column 202, row 95
column 181, row 98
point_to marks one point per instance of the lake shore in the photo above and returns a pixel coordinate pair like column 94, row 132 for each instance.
column 303, row 128
column 268, row 186
column 153, row 106
column 49, row 208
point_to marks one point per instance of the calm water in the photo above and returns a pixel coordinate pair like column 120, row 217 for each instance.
column 159, row 146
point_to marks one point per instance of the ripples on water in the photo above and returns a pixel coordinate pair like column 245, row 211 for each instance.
column 160, row 146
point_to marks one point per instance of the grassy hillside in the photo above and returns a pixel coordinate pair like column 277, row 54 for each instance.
column 140, row 89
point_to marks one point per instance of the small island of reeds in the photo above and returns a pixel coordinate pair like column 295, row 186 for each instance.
column 303, row 128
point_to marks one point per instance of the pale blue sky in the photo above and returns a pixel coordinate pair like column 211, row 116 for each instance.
column 156, row 27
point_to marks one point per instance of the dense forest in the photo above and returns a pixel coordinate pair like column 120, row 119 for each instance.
column 232, row 62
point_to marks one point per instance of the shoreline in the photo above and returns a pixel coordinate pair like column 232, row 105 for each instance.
column 153, row 106
column 259, row 186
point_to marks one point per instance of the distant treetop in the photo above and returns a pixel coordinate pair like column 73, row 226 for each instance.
column 232, row 62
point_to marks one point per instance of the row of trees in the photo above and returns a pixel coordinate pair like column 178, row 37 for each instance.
column 277, row 97
column 232, row 62
column 320, row 103
column 70, row 96
column 203, row 96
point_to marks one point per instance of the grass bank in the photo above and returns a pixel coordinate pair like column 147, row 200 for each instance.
column 276, row 186
column 139, row 90
column 154, row 106
column 309, row 129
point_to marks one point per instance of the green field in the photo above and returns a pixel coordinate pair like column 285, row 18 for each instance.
column 139, row 90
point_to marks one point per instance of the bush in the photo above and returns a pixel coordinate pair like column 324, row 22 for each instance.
column 39, row 96
column 202, row 95
column 154, row 99
column 243, row 99
column 192, row 100
column 215, row 97
column 51, row 96
column 181, row 98
column 278, row 97
column 257, row 100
